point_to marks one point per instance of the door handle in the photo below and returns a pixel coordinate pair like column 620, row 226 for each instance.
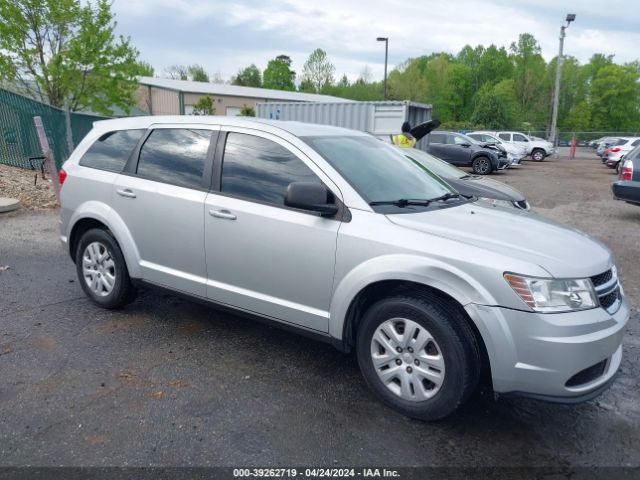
column 126, row 193
column 226, row 214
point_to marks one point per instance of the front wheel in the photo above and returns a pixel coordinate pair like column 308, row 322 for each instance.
column 481, row 165
column 538, row 155
column 418, row 356
column 102, row 270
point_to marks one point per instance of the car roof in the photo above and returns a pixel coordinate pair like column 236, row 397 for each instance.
column 299, row 129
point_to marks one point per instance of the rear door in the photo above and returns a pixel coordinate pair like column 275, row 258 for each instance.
column 160, row 197
column 263, row 256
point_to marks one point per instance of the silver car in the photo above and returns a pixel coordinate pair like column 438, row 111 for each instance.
column 337, row 235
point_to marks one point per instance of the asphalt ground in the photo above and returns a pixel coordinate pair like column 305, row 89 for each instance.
column 167, row 382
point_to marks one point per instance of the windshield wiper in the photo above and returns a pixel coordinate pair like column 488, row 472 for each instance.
column 446, row 196
column 403, row 202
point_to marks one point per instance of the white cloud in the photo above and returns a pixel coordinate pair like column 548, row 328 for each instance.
column 347, row 29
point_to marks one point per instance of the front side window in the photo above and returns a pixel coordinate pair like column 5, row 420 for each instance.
column 112, row 150
column 437, row 138
column 519, row 138
column 376, row 170
column 259, row 169
column 460, row 140
column 175, row 155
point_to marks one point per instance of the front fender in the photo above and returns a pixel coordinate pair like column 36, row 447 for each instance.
column 106, row 215
column 439, row 275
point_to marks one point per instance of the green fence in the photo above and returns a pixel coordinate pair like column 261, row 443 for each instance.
column 18, row 137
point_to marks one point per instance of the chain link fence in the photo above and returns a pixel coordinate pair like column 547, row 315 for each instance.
column 19, row 144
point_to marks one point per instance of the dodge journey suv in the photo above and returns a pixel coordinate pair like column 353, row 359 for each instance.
column 340, row 236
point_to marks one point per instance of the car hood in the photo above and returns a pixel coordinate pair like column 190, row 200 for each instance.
column 560, row 250
column 485, row 187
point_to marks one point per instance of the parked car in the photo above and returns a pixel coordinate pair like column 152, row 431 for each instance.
column 463, row 151
column 613, row 155
column 492, row 191
column 595, row 142
column 337, row 235
column 627, row 188
column 606, row 143
column 537, row 149
column 515, row 153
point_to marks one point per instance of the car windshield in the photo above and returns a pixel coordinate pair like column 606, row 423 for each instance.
column 435, row 165
column 376, row 170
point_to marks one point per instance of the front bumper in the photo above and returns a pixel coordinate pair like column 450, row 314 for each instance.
column 541, row 355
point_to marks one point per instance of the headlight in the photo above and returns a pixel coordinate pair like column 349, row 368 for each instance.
column 549, row 295
column 498, row 203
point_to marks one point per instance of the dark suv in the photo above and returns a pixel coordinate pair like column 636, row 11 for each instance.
column 463, row 151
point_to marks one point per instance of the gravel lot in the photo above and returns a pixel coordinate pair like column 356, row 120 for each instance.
column 167, row 382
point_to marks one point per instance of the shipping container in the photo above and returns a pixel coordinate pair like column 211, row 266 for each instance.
column 381, row 119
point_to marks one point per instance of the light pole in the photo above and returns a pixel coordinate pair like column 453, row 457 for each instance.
column 386, row 56
column 556, row 93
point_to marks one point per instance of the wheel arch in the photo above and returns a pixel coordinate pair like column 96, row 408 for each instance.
column 98, row 215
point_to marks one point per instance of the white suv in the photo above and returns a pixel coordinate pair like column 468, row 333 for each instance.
column 338, row 235
column 538, row 149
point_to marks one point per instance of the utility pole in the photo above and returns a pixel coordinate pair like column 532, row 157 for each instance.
column 386, row 56
column 556, row 93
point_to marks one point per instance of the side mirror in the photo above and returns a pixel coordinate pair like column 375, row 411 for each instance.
column 465, row 145
column 310, row 196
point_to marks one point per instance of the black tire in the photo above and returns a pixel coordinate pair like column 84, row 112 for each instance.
column 455, row 341
column 481, row 165
column 123, row 291
column 538, row 154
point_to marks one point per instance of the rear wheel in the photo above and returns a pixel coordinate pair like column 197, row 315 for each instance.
column 481, row 165
column 418, row 355
column 538, row 155
column 102, row 270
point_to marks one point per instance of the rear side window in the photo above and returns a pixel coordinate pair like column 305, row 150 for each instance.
column 111, row 151
column 635, row 143
column 505, row 136
column 175, row 155
column 258, row 169
column 437, row 138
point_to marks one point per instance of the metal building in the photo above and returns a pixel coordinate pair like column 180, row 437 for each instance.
column 165, row 96
column 381, row 119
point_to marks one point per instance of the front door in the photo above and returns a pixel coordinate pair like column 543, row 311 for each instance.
column 262, row 256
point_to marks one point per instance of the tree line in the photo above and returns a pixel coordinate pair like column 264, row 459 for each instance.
column 65, row 52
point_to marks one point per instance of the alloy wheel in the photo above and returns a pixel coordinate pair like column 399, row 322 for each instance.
column 98, row 269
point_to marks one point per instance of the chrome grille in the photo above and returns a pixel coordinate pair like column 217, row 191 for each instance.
column 607, row 290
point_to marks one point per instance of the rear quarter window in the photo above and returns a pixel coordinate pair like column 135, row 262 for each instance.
column 111, row 151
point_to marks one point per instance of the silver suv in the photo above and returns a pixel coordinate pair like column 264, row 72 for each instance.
column 337, row 234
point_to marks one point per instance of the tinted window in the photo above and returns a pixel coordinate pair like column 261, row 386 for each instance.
column 505, row 136
column 175, row 155
column 437, row 138
column 258, row 169
column 519, row 138
column 636, row 143
column 476, row 136
column 111, row 151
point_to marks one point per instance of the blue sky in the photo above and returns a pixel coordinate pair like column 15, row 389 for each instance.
column 226, row 36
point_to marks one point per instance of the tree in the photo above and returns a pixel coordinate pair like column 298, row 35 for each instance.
column 529, row 73
column 278, row 75
column 177, row 72
column 615, row 94
column 247, row 111
column 66, row 50
column 490, row 111
column 145, row 69
column 318, row 70
column 197, row 73
column 204, row 106
column 248, row 77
